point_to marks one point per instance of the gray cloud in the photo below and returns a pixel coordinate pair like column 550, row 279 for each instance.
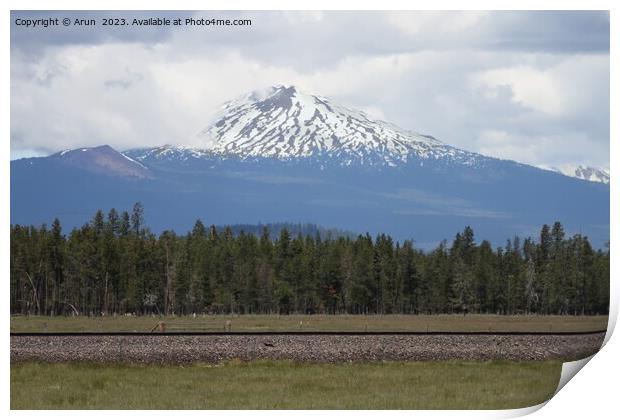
column 528, row 86
column 125, row 82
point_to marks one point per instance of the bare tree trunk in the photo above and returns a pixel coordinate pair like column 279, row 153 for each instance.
column 35, row 294
column 75, row 311
column 105, row 295
column 168, row 280
column 45, row 296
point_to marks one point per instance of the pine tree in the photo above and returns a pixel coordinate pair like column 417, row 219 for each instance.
column 137, row 218
column 124, row 225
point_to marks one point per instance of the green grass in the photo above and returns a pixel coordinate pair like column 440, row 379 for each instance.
column 284, row 385
column 314, row 323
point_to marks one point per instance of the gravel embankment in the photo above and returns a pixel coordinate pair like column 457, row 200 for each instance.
column 310, row 348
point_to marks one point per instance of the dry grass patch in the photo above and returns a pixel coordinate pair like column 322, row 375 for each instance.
column 439, row 323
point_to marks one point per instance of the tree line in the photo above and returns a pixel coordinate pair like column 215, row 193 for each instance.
column 115, row 264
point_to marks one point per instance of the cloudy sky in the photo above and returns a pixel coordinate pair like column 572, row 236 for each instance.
column 528, row 86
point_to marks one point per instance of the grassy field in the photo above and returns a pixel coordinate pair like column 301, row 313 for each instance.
column 313, row 323
column 284, row 385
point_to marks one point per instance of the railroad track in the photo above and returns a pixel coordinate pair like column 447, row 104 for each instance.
column 302, row 333
column 303, row 346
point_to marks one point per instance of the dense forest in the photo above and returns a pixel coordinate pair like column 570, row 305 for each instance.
column 115, row 264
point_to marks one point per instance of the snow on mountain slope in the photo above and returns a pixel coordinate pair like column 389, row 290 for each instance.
column 285, row 123
column 587, row 173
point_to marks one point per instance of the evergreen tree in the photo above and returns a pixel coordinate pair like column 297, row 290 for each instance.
column 137, row 218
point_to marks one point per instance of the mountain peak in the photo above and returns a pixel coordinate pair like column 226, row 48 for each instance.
column 280, row 97
column 103, row 159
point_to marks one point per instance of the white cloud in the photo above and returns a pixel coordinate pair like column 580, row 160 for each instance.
column 539, row 150
column 567, row 88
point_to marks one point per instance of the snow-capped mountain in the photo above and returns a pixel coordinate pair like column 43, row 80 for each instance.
column 285, row 123
column 587, row 173
column 591, row 174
